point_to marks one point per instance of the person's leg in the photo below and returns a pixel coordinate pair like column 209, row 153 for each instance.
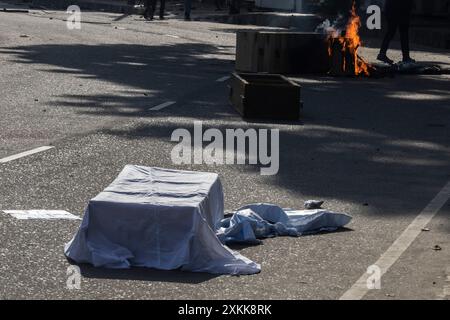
column 404, row 37
column 187, row 9
column 162, row 8
column 233, row 7
column 148, row 4
column 392, row 22
column 152, row 8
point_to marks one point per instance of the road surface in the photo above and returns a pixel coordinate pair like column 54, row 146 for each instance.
column 377, row 149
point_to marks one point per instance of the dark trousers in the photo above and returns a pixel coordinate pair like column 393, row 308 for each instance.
column 397, row 19
column 235, row 7
column 187, row 8
column 219, row 4
column 150, row 7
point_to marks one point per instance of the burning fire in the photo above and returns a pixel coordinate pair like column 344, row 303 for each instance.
column 349, row 44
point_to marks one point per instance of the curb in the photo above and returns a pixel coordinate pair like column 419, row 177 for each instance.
column 85, row 5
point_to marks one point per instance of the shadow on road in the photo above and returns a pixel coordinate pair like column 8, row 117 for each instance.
column 382, row 143
column 145, row 274
column 146, row 74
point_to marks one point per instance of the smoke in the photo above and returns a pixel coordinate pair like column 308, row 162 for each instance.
column 334, row 29
column 339, row 25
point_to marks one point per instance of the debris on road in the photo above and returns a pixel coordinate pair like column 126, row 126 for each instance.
column 170, row 219
column 419, row 68
column 409, row 69
column 42, row 214
column 425, row 229
column 257, row 221
column 437, row 248
column 265, row 96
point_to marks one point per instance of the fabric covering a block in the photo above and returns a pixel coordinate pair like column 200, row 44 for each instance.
column 157, row 218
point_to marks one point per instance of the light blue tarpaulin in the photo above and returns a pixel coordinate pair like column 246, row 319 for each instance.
column 174, row 219
column 157, row 218
column 257, row 221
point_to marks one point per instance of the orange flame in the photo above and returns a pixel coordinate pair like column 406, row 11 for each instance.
column 354, row 41
column 351, row 42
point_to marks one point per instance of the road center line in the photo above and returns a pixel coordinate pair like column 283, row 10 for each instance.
column 223, row 79
column 359, row 289
column 25, row 153
column 162, row 105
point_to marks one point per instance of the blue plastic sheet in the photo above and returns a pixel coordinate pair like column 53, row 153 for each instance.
column 157, row 218
column 257, row 221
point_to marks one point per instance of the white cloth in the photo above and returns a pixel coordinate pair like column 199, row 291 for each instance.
column 157, row 218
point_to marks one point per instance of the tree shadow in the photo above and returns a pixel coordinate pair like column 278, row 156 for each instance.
column 361, row 140
column 381, row 144
column 152, row 73
column 145, row 274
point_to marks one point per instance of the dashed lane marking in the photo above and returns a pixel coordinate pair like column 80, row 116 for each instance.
column 25, row 154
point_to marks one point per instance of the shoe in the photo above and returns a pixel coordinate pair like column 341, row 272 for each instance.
column 161, row 18
column 147, row 17
column 187, row 18
column 385, row 59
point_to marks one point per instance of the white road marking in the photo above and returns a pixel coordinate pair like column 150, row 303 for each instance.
column 24, row 154
column 162, row 105
column 359, row 289
column 41, row 214
column 223, row 79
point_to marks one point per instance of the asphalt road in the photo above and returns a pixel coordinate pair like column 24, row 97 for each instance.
column 377, row 149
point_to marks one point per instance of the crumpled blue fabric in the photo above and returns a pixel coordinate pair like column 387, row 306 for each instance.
column 257, row 221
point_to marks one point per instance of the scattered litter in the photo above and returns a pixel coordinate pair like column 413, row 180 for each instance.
column 24, row 36
column 263, row 220
column 390, row 295
column 409, row 68
column 313, row 204
column 418, row 68
column 437, row 248
column 41, row 214
column 425, row 229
